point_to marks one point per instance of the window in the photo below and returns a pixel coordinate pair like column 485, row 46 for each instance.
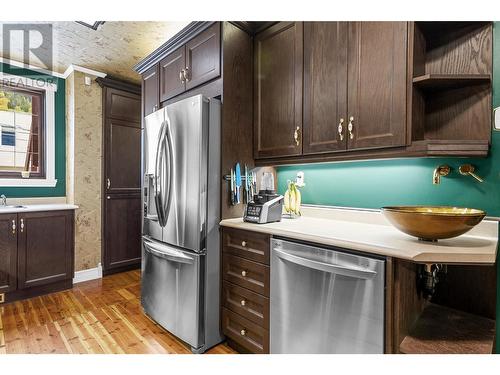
column 22, row 132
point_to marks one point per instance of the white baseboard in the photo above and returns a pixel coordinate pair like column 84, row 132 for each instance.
column 86, row 275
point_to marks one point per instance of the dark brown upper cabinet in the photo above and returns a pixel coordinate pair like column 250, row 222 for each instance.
column 377, row 81
column 372, row 90
column 150, row 88
column 8, row 252
column 196, row 62
column 172, row 81
column 325, row 87
column 278, row 69
column 203, row 57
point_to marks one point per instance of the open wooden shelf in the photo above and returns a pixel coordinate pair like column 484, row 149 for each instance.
column 434, row 82
column 441, row 330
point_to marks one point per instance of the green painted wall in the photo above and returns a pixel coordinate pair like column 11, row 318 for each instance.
column 373, row 184
column 60, row 131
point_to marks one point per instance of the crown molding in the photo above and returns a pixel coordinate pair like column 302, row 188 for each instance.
column 77, row 68
column 20, row 64
column 72, row 68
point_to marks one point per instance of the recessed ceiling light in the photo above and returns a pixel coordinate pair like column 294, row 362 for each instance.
column 91, row 24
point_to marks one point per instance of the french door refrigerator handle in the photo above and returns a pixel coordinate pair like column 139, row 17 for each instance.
column 358, row 273
column 168, row 147
column 159, row 177
column 166, row 252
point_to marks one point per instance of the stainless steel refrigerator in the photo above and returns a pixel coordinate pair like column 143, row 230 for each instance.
column 181, row 196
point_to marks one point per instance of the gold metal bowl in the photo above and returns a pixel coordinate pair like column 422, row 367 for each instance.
column 432, row 223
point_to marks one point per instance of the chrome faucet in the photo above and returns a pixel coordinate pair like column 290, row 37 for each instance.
column 4, row 200
column 440, row 171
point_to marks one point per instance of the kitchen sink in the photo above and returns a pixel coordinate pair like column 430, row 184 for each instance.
column 432, row 223
column 9, row 207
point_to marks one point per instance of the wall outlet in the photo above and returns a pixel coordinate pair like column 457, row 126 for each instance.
column 299, row 180
column 496, row 118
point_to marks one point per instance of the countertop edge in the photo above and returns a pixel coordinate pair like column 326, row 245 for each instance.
column 39, row 208
column 485, row 258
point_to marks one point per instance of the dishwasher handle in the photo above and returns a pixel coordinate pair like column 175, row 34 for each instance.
column 356, row 272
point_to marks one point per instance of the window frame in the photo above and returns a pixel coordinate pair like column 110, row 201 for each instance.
column 41, row 133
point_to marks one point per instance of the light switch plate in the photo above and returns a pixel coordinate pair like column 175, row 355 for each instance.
column 2, row 297
column 496, row 118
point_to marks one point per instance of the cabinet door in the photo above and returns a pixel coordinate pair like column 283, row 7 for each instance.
column 122, row 231
column 377, row 81
column 325, row 86
column 8, row 252
column 278, row 91
column 45, row 246
column 122, row 142
column 150, row 87
column 203, row 57
column 172, row 80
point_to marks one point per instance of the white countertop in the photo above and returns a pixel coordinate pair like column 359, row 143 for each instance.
column 371, row 233
column 38, row 207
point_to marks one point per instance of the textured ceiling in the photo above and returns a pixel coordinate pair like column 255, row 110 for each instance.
column 112, row 49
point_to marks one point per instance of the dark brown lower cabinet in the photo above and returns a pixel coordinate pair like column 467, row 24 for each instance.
column 36, row 253
column 45, row 248
column 8, row 252
column 122, row 232
column 248, row 336
column 245, row 290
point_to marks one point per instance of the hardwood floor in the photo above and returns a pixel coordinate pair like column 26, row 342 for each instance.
column 98, row 316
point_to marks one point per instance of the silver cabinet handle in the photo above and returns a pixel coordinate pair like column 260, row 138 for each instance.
column 108, row 183
column 186, row 74
column 359, row 273
column 243, row 332
column 182, row 75
column 340, row 129
column 243, row 302
column 244, row 273
column 22, row 225
column 296, row 136
column 350, row 127
column 13, row 227
column 243, row 243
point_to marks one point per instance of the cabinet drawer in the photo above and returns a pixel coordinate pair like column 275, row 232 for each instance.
column 250, row 305
column 247, row 334
column 245, row 273
column 245, row 244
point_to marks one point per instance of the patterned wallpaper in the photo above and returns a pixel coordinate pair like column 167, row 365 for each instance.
column 84, row 119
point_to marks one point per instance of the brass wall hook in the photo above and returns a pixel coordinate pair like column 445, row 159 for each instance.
column 468, row 170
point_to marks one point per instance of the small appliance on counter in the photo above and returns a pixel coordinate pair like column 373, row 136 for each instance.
column 267, row 206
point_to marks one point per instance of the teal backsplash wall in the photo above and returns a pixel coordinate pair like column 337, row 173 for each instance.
column 373, row 184
column 60, row 129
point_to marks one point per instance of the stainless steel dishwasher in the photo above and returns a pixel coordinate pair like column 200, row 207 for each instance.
column 325, row 301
